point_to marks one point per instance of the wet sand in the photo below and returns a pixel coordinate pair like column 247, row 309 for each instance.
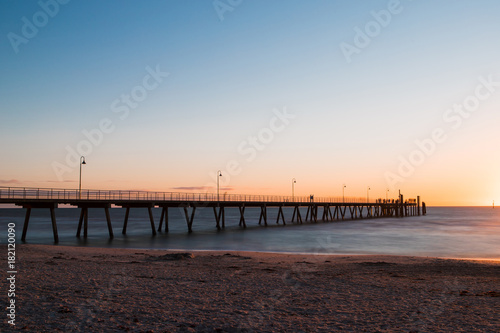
column 75, row 289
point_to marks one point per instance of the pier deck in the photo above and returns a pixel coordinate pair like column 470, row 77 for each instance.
column 318, row 209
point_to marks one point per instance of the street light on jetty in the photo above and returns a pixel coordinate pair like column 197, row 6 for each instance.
column 343, row 198
column 82, row 161
column 293, row 192
column 386, row 199
column 368, row 194
column 219, row 174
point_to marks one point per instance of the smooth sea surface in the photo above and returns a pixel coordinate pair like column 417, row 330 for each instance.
column 451, row 232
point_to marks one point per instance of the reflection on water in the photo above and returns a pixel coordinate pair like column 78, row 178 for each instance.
column 458, row 232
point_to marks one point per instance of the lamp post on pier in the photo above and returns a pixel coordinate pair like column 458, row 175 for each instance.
column 82, row 161
column 368, row 194
column 343, row 197
column 219, row 174
column 386, row 192
column 293, row 189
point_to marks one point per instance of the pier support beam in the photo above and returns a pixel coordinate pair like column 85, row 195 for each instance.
column 336, row 213
column 401, row 206
column 312, row 213
column 342, row 210
column 29, row 206
column 83, row 215
column 280, row 214
column 151, row 220
column 327, row 213
column 368, row 211
column 296, row 211
column 360, row 210
column 189, row 220
column 242, row 216
column 26, row 222
column 263, row 214
column 352, row 210
column 84, row 218
column 54, row 225
column 148, row 205
column 125, row 222
column 218, row 216
column 164, row 214
column 108, row 221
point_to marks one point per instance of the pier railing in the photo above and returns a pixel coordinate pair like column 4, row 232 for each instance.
column 21, row 193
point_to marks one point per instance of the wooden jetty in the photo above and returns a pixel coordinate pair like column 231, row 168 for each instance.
column 318, row 209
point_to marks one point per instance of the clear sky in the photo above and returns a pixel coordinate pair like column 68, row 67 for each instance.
column 159, row 95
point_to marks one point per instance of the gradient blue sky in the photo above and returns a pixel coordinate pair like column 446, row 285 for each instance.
column 352, row 120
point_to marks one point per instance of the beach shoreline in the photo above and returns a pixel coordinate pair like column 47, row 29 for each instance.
column 77, row 289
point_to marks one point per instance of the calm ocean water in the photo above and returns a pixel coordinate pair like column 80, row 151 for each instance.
column 455, row 232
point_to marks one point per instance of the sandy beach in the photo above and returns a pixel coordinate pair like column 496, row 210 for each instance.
column 75, row 289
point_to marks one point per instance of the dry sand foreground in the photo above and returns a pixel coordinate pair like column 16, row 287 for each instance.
column 70, row 289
